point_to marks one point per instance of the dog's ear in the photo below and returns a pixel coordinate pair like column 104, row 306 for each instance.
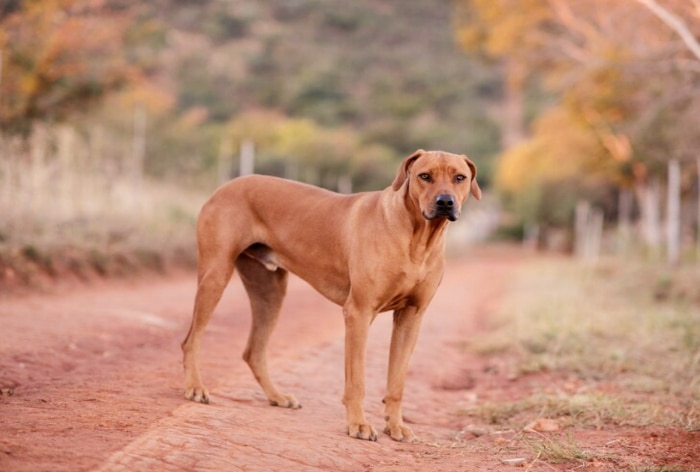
column 476, row 190
column 402, row 173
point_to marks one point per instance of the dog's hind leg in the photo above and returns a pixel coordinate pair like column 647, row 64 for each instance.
column 266, row 285
column 215, row 271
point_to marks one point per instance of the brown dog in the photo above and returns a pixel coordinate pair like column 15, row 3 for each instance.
column 368, row 252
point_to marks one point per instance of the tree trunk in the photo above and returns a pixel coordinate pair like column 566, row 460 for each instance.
column 648, row 197
column 513, row 131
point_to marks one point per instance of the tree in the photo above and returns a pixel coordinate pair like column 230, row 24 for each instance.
column 614, row 76
column 676, row 23
column 59, row 55
column 506, row 31
column 303, row 149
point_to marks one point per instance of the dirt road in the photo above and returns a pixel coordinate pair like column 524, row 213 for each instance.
column 98, row 384
column 96, row 377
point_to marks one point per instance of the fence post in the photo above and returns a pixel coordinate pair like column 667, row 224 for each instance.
column 651, row 218
column 697, row 236
column 673, row 212
column 594, row 235
column 246, row 165
column 624, row 220
column 225, row 158
column 583, row 209
column 138, row 145
column 66, row 177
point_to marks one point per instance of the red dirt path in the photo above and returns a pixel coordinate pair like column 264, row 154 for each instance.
column 97, row 379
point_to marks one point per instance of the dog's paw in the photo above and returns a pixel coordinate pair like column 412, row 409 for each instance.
column 197, row 394
column 362, row 431
column 400, row 432
column 285, row 401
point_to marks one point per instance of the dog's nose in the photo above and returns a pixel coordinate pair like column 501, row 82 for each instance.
column 445, row 201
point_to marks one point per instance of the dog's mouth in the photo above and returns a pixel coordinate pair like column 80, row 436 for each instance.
column 451, row 214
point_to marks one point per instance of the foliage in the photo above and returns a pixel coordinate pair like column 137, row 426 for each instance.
column 195, row 68
column 49, row 69
column 619, row 84
column 300, row 146
column 504, row 27
column 542, row 177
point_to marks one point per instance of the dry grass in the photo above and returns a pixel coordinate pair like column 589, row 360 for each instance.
column 555, row 450
column 594, row 349
column 64, row 209
column 628, row 333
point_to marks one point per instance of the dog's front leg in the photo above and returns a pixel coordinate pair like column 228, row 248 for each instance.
column 403, row 340
column 357, row 323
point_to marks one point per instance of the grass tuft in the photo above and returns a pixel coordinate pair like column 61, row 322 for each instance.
column 556, row 450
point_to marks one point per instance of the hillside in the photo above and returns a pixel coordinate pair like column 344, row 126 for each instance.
column 118, row 118
column 388, row 70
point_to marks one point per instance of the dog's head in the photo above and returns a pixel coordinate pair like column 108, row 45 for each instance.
column 439, row 182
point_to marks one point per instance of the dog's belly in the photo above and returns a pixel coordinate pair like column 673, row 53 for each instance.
column 324, row 277
column 381, row 286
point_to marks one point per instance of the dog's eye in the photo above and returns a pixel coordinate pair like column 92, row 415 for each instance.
column 460, row 178
column 425, row 177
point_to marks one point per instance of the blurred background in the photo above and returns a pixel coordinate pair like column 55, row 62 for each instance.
column 118, row 118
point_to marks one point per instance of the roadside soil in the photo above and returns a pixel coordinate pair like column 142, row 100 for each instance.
column 91, row 379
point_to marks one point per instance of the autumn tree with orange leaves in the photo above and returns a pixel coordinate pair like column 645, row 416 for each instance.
column 60, row 55
column 621, row 81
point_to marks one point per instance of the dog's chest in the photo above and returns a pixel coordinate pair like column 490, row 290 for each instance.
column 409, row 286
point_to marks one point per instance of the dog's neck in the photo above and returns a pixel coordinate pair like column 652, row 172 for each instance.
column 427, row 236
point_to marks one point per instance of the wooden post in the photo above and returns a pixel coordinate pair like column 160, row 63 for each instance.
column 673, row 212
column 345, row 184
column 66, row 176
column 99, row 184
column 594, row 235
column 37, row 151
column 246, row 165
column 588, row 232
column 651, row 225
column 531, row 236
column 6, row 190
column 583, row 210
column 138, row 145
column 624, row 218
column 225, row 159
column 697, row 236
column 0, row 75
column 291, row 169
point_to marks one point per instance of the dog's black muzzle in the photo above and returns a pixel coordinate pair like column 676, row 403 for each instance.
column 445, row 206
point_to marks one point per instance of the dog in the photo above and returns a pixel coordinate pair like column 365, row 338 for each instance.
column 367, row 252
